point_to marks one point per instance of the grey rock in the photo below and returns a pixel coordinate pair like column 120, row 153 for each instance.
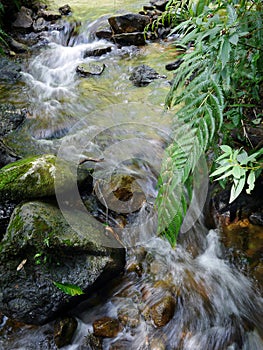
column 97, row 52
column 17, row 46
column 86, row 70
column 23, row 20
column 10, row 118
column 9, row 70
column 144, row 75
column 39, row 25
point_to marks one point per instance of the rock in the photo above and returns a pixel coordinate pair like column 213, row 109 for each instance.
column 128, row 23
column 94, row 343
column 174, row 65
column 64, row 330
column 65, row 10
column 118, row 190
column 160, row 4
column 127, row 39
column 17, row 46
column 6, row 210
column 49, row 15
column 23, row 20
column 87, row 69
column 10, row 118
column 162, row 312
column 97, row 52
column 256, row 218
column 106, row 327
column 7, row 155
column 9, row 71
column 129, row 315
column 104, row 34
column 40, row 247
column 39, row 25
column 33, row 178
column 144, row 75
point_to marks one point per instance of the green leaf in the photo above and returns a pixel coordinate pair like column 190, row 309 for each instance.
column 232, row 15
column 227, row 149
column 221, row 170
column 70, row 289
column 236, row 190
column 225, row 52
column 237, row 171
column 234, row 39
column 229, row 173
column 251, row 181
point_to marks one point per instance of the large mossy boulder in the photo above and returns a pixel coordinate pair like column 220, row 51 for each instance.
column 34, row 178
column 40, row 248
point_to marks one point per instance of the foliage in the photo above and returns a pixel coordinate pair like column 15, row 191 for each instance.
column 223, row 48
column 240, row 168
column 69, row 289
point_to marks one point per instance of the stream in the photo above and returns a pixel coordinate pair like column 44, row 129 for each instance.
column 214, row 305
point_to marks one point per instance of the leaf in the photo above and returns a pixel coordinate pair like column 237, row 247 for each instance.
column 227, row 149
column 225, row 52
column 251, row 181
column 70, row 289
column 236, row 190
column 234, row 39
column 229, row 173
column 237, row 171
column 232, row 15
column 221, row 170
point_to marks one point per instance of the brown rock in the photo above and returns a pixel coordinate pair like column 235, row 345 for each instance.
column 162, row 312
column 49, row 15
column 106, row 327
column 64, row 330
column 128, row 23
column 126, row 39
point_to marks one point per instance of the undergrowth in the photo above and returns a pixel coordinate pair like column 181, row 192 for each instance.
column 220, row 74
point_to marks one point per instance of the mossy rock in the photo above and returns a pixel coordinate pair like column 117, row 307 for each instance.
column 33, row 178
column 40, row 248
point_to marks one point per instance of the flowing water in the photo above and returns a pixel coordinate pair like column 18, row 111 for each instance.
column 215, row 307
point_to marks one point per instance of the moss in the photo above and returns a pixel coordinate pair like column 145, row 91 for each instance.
column 32, row 178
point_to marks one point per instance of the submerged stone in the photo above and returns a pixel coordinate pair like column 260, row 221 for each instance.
column 143, row 75
column 106, row 327
column 64, row 330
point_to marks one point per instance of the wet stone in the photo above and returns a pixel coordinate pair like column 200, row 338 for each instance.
column 129, row 315
column 162, row 312
column 49, row 15
column 143, row 75
column 106, row 327
column 87, row 70
column 39, row 25
column 65, row 10
column 64, row 330
column 126, row 39
column 128, row 23
column 97, row 52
